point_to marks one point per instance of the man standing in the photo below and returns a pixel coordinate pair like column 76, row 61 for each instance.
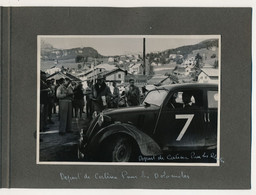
column 65, row 97
column 78, row 102
column 71, row 87
column 132, row 93
column 116, row 95
column 101, row 94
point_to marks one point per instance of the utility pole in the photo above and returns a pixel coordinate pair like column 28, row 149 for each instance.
column 144, row 56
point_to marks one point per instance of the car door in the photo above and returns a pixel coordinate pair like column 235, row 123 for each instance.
column 180, row 127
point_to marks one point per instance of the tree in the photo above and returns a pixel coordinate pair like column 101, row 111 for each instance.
column 79, row 58
column 198, row 59
column 162, row 60
column 179, row 61
column 79, row 66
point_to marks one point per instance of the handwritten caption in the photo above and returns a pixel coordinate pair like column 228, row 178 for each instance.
column 162, row 175
column 189, row 157
column 123, row 175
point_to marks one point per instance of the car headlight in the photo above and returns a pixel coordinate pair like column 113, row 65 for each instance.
column 103, row 118
column 100, row 119
column 94, row 115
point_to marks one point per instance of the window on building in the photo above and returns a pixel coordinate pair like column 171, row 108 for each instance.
column 119, row 76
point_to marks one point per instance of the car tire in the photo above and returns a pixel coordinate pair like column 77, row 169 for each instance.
column 118, row 149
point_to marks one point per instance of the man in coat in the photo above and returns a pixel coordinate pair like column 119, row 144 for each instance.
column 65, row 97
column 132, row 93
column 101, row 94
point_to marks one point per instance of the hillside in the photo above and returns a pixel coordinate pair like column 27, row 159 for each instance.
column 185, row 51
column 50, row 53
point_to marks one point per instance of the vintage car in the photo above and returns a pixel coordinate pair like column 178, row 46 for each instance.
column 178, row 117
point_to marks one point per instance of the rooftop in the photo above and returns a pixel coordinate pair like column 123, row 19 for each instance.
column 211, row 72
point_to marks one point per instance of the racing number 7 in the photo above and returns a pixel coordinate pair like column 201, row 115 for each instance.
column 189, row 118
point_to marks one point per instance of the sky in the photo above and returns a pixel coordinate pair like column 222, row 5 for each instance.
column 121, row 45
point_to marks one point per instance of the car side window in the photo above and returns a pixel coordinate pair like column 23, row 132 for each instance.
column 186, row 99
column 213, row 98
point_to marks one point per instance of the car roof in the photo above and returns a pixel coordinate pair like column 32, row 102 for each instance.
column 188, row 85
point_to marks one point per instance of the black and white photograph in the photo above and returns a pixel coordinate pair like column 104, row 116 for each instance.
column 121, row 99
column 129, row 99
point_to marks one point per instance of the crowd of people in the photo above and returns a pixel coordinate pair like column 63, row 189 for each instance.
column 71, row 99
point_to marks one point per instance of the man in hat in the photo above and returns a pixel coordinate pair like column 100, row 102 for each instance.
column 101, row 94
column 132, row 93
column 71, row 88
column 65, row 97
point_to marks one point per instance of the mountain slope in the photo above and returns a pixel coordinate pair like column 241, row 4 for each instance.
column 185, row 50
column 50, row 53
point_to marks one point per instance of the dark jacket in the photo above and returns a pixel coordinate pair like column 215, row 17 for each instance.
column 133, row 96
column 100, row 91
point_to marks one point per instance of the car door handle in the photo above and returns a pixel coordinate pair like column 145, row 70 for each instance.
column 209, row 117
column 205, row 117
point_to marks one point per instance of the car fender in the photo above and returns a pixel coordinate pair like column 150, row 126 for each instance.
column 147, row 145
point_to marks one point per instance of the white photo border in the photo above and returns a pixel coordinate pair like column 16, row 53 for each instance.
column 39, row 37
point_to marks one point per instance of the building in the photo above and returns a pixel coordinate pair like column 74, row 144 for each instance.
column 105, row 67
column 208, row 75
column 94, row 71
column 182, row 71
column 153, row 64
column 172, row 56
column 136, row 69
column 110, row 59
column 208, row 66
column 53, row 70
column 117, row 75
column 190, row 62
column 63, row 74
column 140, row 80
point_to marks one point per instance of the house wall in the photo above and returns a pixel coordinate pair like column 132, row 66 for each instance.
column 118, row 76
column 203, row 78
column 137, row 70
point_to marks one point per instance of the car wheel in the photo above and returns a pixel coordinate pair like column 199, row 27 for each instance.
column 118, row 150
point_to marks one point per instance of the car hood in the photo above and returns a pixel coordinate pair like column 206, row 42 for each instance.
column 129, row 110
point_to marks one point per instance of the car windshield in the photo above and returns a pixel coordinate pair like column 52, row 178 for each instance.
column 155, row 97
